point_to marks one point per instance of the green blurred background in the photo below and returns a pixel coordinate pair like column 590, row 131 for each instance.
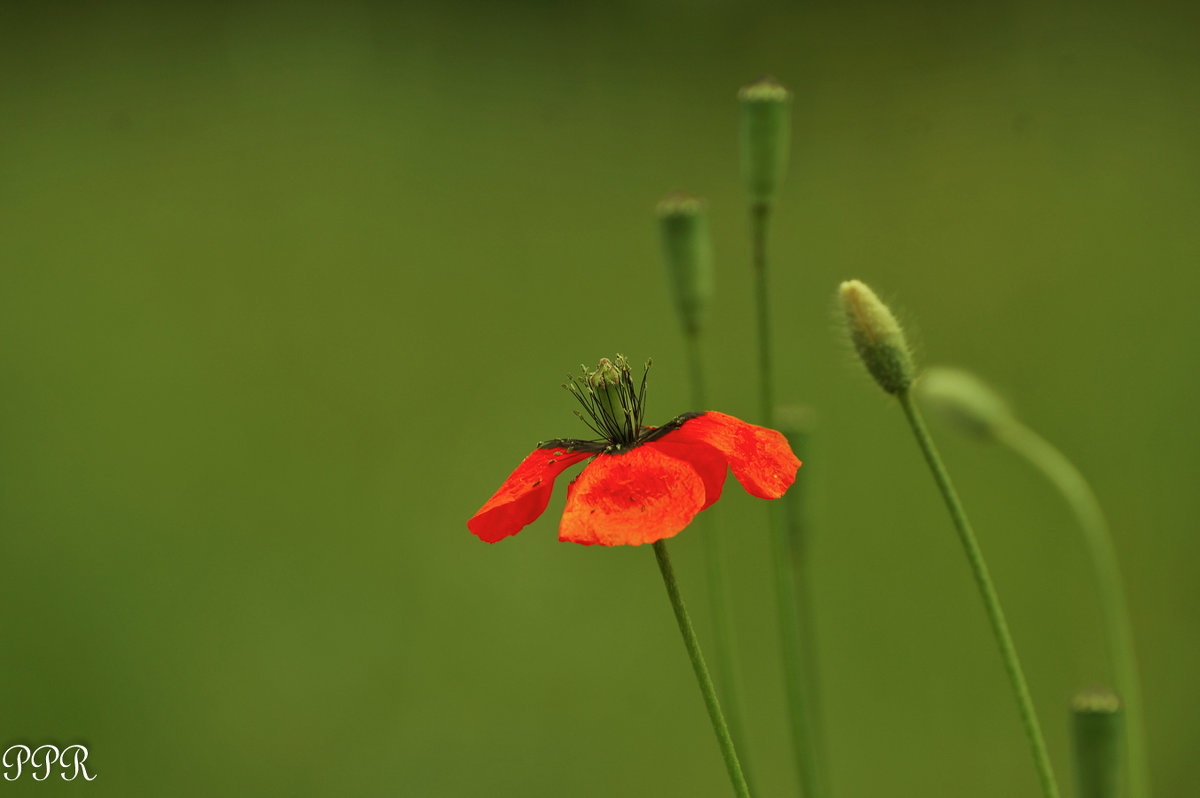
column 285, row 292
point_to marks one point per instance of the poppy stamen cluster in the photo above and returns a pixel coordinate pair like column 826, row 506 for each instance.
column 614, row 407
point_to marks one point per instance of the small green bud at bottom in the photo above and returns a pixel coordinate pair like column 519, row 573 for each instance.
column 1097, row 731
column 877, row 337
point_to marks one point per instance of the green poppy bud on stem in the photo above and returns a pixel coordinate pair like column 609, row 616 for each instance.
column 766, row 124
column 961, row 399
column 1096, row 731
column 687, row 249
column 877, row 336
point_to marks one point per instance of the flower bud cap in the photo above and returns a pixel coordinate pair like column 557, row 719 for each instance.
column 765, row 135
column 687, row 250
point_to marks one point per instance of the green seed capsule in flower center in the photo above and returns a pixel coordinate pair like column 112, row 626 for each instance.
column 613, row 406
column 605, row 383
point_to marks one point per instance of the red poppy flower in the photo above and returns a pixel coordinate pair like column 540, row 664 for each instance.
column 643, row 483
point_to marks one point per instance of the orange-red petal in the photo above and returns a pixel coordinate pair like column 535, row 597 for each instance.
column 634, row 497
column 524, row 495
column 760, row 458
column 708, row 462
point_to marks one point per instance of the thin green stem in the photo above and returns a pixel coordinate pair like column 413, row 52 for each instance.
column 1063, row 474
column 991, row 602
column 790, row 629
column 797, row 523
column 722, row 623
column 760, row 213
column 692, row 644
column 790, row 626
column 696, row 371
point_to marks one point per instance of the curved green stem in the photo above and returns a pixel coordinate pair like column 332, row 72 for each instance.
column 692, row 644
column 714, row 555
column 1063, row 474
column 991, row 601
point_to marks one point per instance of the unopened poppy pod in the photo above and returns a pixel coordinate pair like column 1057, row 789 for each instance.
column 643, row 483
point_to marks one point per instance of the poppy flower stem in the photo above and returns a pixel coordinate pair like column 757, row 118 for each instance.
column 1063, row 474
column 714, row 555
column 696, row 370
column 794, row 425
column 692, row 644
column 991, row 601
column 792, row 643
column 760, row 214
column 795, row 672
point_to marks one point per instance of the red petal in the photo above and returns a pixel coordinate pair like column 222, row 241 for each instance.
column 635, row 497
column 760, row 458
column 524, row 495
column 708, row 462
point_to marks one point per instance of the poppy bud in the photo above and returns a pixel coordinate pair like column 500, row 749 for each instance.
column 687, row 249
column 877, row 336
column 1096, row 732
column 963, row 400
column 766, row 123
